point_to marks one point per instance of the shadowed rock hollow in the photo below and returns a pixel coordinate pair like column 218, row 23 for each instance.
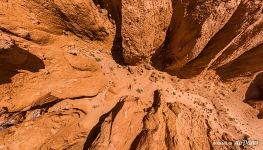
column 130, row 74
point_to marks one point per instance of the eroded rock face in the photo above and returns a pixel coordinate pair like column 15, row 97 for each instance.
column 210, row 34
column 46, row 131
column 82, row 18
column 193, row 25
column 162, row 125
column 144, row 26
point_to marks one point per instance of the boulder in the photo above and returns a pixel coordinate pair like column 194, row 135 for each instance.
column 144, row 27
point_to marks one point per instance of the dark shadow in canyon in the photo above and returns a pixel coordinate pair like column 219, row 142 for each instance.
column 254, row 94
column 158, row 59
column 114, row 9
column 181, row 37
column 15, row 59
column 117, row 50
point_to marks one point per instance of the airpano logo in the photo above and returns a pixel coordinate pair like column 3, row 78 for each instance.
column 237, row 143
column 246, row 143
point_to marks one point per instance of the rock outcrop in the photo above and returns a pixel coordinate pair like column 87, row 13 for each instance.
column 6, row 42
column 143, row 28
column 82, row 18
